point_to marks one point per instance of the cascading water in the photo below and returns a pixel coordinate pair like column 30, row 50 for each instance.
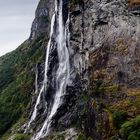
column 62, row 75
column 61, row 40
column 36, row 80
column 36, row 91
column 43, row 88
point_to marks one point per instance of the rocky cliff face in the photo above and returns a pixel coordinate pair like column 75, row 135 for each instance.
column 102, row 100
column 41, row 23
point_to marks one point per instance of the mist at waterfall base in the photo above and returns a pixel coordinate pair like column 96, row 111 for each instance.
column 59, row 39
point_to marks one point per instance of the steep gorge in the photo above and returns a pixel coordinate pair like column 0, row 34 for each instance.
column 92, row 63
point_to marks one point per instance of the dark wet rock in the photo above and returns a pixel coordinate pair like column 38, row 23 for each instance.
column 41, row 23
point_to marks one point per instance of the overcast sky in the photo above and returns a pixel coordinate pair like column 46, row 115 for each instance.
column 16, row 17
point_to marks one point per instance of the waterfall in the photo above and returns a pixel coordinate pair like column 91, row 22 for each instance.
column 36, row 91
column 43, row 88
column 36, row 80
column 62, row 74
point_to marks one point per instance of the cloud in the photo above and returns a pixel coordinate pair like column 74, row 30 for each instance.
column 8, row 47
column 16, row 17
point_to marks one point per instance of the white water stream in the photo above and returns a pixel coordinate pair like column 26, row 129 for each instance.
column 62, row 73
column 43, row 88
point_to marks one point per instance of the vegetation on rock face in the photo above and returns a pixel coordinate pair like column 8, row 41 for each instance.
column 130, row 130
column 118, row 118
column 120, row 101
column 16, row 81
column 73, row 3
column 81, row 137
column 21, row 137
column 134, row 2
column 108, row 89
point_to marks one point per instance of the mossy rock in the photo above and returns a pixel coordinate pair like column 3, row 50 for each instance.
column 109, row 89
column 118, row 118
column 21, row 137
column 81, row 136
column 74, row 3
column 130, row 130
column 56, row 136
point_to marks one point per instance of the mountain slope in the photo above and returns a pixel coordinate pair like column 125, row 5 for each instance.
column 17, row 78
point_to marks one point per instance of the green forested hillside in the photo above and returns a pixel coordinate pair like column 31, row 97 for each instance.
column 16, row 80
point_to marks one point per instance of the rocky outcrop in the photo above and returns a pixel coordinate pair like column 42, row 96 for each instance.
column 105, row 72
column 41, row 23
column 105, row 37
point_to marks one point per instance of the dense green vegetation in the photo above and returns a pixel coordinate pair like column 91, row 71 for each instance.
column 16, row 80
column 118, row 118
column 130, row 130
column 21, row 137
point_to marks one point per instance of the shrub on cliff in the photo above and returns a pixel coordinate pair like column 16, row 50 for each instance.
column 131, row 129
column 21, row 137
column 118, row 118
